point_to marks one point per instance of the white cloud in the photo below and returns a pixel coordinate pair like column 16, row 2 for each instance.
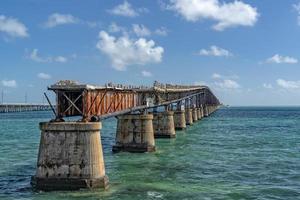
column 9, row 83
column 288, row 84
column 124, row 9
column 57, row 19
column 219, row 76
column 44, row 76
column 215, row 51
column 227, row 84
column 278, row 59
column 12, row 27
column 216, row 76
column 162, row 31
column 60, row 59
column 37, row 58
column 146, row 73
column 124, row 51
column 227, row 14
column 267, row 86
column 141, row 30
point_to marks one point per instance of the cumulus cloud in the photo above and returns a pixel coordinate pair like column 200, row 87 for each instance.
column 125, row 51
column 227, row 84
column 44, row 76
column 60, row 59
column 57, row 19
column 141, row 30
column 125, row 9
column 9, row 83
column 216, row 76
column 37, row 58
column 12, row 27
column 278, row 59
column 226, row 14
column 267, row 86
column 215, row 51
column 288, row 84
column 146, row 73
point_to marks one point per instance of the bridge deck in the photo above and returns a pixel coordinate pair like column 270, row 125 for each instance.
column 85, row 100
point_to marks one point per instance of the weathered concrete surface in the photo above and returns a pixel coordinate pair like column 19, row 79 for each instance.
column 70, row 157
column 202, row 111
column 163, row 125
column 194, row 115
column 188, row 116
column 135, row 133
column 205, row 110
column 179, row 119
column 199, row 113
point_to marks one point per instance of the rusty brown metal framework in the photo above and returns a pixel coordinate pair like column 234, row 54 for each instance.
column 89, row 101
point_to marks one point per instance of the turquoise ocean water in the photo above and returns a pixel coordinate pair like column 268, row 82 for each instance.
column 237, row 153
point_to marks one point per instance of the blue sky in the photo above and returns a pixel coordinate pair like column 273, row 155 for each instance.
column 246, row 51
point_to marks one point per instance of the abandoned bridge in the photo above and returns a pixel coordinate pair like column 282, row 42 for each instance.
column 70, row 154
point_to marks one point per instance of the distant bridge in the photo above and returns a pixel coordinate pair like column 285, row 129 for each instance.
column 22, row 107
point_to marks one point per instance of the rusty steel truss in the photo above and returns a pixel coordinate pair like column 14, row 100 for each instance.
column 99, row 102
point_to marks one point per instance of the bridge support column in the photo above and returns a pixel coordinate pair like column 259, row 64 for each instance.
column 179, row 120
column 135, row 133
column 199, row 113
column 163, row 125
column 194, row 114
column 70, row 157
column 205, row 111
column 189, row 116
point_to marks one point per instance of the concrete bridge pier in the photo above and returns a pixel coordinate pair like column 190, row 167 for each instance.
column 206, row 110
column 70, row 157
column 163, row 124
column 199, row 113
column 179, row 117
column 195, row 114
column 189, row 116
column 135, row 133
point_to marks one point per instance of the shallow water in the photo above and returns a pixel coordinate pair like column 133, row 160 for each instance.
column 237, row 153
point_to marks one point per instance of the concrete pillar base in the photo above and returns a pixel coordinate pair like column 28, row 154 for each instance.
column 70, row 157
column 189, row 116
column 163, row 125
column 135, row 134
column 179, row 120
column 55, row 184
column 199, row 113
column 195, row 114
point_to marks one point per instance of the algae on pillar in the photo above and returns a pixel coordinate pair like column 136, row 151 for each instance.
column 135, row 133
column 163, row 125
column 70, row 157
